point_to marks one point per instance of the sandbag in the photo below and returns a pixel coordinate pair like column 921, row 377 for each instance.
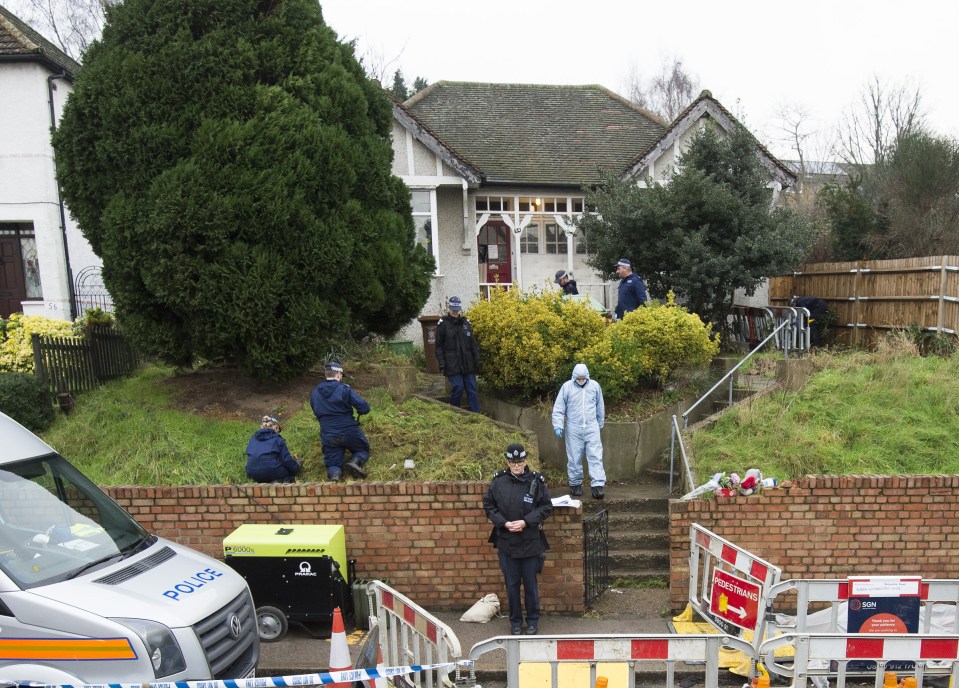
column 485, row 609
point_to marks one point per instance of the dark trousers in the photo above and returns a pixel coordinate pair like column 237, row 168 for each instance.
column 335, row 446
column 521, row 571
column 460, row 382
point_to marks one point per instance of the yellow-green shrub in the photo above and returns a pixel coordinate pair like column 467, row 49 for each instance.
column 529, row 341
column 647, row 345
column 16, row 349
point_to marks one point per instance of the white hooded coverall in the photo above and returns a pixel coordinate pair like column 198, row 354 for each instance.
column 583, row 412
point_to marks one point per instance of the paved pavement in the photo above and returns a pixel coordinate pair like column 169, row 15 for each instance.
column 299, row 653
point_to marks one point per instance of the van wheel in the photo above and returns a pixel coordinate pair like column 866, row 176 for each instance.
column 271, row 624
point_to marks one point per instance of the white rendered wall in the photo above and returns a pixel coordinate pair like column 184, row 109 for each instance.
column 28, row 190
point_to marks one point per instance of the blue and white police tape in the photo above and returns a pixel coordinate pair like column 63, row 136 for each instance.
column 347, row 676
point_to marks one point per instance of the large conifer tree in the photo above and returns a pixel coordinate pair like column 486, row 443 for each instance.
column 230, row 163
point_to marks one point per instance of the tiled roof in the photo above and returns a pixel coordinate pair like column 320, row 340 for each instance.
column 706, row 103
column 19, row 41
column 536, row 134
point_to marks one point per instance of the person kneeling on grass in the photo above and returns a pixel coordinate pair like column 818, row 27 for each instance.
column 268, row 460
column 333, row 402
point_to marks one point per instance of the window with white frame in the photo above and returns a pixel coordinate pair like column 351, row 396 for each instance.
column 529, row 239
column 424, row 217
column 579, row 243
column 494, row 204
column 555, row 239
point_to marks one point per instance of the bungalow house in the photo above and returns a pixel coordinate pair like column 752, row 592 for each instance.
column 497, row 173
column 41, row 248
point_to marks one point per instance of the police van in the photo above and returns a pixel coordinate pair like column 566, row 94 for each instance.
column 88, row 596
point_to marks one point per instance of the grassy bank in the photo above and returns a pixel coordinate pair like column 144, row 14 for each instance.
column 890, row 412
column 132, row 432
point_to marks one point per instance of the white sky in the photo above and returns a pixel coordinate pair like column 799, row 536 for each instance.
column 755, row 56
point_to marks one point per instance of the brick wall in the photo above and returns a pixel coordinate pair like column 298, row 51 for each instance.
column 428, row 539
column 831, row 527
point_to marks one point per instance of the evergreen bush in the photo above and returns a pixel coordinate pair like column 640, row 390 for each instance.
column 235, row 178
column 25, row 398
column 16, row 349
column 648, row 345
column 529, row 341
column 93, row 317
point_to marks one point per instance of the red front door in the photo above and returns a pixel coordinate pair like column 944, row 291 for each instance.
column 12, row 288
column 494, row 247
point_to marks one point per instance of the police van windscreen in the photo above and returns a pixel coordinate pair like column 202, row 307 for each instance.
column 55, row 523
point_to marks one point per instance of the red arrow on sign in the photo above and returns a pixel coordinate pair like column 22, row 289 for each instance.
column 735, row 600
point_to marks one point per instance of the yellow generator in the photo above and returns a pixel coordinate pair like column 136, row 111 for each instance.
column 297, row 574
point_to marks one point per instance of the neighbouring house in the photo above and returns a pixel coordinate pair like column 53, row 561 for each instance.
column 498, row 171
column 41, row 248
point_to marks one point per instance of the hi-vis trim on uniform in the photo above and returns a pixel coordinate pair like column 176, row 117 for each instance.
column 78, row 649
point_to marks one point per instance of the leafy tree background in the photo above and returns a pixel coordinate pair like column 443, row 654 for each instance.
column 707, row 233
column 904, row 205
column 401, row 91
column 229, row 161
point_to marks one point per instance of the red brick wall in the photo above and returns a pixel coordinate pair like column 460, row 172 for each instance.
column 831, row 527
column 428, row 539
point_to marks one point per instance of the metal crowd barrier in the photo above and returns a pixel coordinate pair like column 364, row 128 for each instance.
column 750, row 325
column 829, row 655
column 553, row 661
column 410, row 635
column 708, row 553
column 833, row 592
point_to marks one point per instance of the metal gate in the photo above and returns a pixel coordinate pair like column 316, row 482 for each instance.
column 90, row 292
column 595, row 556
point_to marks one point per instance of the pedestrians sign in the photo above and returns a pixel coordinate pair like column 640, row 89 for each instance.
column 735, row 600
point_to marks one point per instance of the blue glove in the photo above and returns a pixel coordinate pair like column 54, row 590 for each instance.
column 559, row 432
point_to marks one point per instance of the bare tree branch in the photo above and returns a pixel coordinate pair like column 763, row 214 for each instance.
column 667, row 93
column 884, row 114
column 72, row 25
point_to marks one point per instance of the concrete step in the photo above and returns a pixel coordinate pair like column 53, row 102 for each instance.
column 639, row 559
column 638, row 539
column 637, row 575
column 631, row 520
column 645, row 505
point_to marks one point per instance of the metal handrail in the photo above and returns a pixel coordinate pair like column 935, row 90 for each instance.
column 772, row 335
column 672, row 455
column 676, row 434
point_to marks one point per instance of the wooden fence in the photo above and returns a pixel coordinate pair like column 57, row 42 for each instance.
column 870, row 297
column 76, row 364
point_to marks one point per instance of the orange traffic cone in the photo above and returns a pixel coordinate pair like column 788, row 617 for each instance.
column 339, row 648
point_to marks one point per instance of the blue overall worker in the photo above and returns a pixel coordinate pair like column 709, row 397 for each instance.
column 817, row 315
column 580, row 409
column 517, row 502
column 268, row 460
column 333, row 402
column 632, row 291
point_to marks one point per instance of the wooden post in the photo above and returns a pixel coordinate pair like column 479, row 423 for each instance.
column 941, row 318
column 855, row 305
column 38, row 368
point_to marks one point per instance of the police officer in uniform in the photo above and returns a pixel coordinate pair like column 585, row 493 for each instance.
column 458, row 354
column 517, row 502
column 632, row 291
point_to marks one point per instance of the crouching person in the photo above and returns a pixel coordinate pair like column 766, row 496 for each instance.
column 268, row 460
